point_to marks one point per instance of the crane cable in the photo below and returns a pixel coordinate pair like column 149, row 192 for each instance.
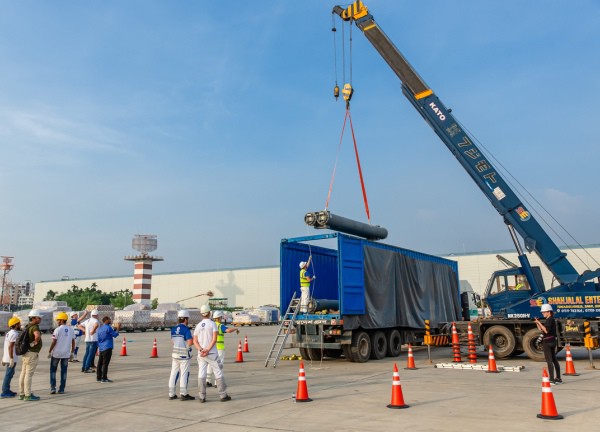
column 360, row 174
column 348, row 91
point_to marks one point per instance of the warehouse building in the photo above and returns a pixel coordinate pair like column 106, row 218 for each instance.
column 253, row 287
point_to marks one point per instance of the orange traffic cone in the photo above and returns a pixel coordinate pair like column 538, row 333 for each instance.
column 410, row 362
column 124, row 348
column 471, row 345
column 397, row 397
column 492, row 363
column 154, row 350
column 240, row 357
column 302, row 389
column 455, row 345
column 570, row 369
column 246, row 349
column 548, row 406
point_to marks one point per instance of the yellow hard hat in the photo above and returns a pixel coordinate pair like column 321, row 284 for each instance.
column 62, row 316
column 13, row 321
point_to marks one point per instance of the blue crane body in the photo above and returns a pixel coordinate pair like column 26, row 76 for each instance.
column 576, row 298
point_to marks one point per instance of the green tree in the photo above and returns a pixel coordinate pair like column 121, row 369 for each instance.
column 50, row 295
column 122, row 298
column 154, row 303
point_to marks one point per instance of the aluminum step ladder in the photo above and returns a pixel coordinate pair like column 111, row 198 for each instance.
column 287, row 324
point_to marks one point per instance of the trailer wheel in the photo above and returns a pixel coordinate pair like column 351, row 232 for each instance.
column 360, row 349
column 534, row 350
column 347, row 351
column 502, row 341
column 378, row 345
column 394, row 343
column 304, row 353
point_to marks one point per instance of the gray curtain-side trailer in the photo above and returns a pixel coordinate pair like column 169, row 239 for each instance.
column 376, row 297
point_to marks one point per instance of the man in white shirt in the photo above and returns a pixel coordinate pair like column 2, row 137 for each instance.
column 61, row 350
column 205, row 339
column 91, row 341
column 10, row 357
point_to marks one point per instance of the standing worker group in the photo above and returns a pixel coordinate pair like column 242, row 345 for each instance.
column 205, row 340
column 221, row 330
column 182, row 340
column 305, row 280
column 549, row 340
column 10, row 357
column 61, row 350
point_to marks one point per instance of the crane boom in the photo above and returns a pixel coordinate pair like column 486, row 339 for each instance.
column 464, row 149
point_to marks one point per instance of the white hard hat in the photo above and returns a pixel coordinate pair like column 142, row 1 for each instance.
column 183, row 314
column 302, row 264
column 204, row 309
column 547, row 308
column 74, row 313
column 35, row 313
column 217, row 314
column 94, row 312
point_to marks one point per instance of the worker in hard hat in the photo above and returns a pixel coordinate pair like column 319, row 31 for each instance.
column 305, row 280
column 182, row 340
column 549, row 340
column 218, row 318
column 61, row 350
column 90, row 328
column 10, row 357
column 75, row 321
column 31, row 357
column 205, row 341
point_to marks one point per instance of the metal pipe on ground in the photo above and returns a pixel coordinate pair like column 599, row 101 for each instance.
column 326, row 219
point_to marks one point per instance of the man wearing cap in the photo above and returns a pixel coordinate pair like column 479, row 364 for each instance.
column 75, row 320
column 90, row 330
column 10, row 357
column 106, row 335
column 305, row 281
column 61, row 349
column 205, row 340
column 31, row 357
column 182, row 340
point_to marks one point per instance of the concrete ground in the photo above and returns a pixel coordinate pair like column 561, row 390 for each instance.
column 346, row 396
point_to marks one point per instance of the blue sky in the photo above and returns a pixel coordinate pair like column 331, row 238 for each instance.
column 212, row 125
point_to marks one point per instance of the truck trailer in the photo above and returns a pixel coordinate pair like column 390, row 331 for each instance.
column 369, row 298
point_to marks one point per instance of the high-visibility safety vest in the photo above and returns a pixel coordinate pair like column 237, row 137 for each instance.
column 304, row 280
column 220, row 338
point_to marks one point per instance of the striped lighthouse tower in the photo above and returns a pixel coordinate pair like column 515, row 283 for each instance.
column 142, row 274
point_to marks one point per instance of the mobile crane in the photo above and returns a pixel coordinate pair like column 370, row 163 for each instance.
column 510, row 329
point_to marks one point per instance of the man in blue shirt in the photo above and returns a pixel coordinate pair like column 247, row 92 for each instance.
column 106, row 334
column 182, row 340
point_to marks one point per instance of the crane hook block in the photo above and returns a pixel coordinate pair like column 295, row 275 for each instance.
column 347, row 91
column 336, row 92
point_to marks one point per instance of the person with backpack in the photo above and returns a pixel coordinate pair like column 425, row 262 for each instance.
column 10, row 357
column 31, row 357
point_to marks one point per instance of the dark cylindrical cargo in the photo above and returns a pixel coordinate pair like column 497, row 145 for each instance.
column 321, row 304
column 326, row 219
